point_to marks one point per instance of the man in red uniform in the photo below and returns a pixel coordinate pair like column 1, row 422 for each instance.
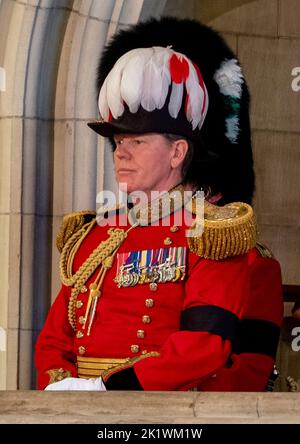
column 147, row 302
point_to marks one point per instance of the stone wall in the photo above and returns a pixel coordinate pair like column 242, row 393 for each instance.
column 50, row 162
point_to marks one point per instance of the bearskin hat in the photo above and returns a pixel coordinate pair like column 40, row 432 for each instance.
column 222, row 155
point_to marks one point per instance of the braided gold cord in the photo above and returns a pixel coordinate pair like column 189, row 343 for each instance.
column 129, row 363
column 76, row 247
column 103, row 254
column 69, row 251
column 95, row 290
column 104, row 249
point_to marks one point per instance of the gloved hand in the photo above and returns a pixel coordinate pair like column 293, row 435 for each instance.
column 95, row 384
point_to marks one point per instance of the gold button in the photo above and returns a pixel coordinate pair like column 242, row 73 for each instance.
column 83, row 289
column 79, row 304
column 81, row 320
column 174, row 229
column 79, row 334
column 134, row 348
column 153, row 286
column 167, row 241
column 149, row 303
column 81, row 350
column 146, row 319
column 140, row 334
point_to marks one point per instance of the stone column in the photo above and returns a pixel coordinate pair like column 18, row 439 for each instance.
column 50, row 162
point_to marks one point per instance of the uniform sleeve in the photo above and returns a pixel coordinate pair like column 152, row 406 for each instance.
column 54, row 354
column 254, row 352
column 216, row 294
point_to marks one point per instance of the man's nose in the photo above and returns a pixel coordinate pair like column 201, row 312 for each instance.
column 123, row 150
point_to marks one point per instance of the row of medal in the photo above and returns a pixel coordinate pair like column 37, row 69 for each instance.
column 159, row 265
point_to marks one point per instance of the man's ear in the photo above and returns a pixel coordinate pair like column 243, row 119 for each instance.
column 179, row 151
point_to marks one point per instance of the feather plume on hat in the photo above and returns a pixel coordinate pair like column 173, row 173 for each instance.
column 144, row 76
column 219, row 105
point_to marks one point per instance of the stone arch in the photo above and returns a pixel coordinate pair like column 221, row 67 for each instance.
column 49, row 53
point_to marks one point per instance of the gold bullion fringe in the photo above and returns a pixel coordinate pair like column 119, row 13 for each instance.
column 228, row 231
column 71, row 223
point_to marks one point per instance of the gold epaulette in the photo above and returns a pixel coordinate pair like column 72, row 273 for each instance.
column 225, row 231
column 264, row 250
column 71, row 223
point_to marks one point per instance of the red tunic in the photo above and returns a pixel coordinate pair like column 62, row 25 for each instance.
column 214, row 296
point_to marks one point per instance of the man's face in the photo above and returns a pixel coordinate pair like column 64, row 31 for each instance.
column 143, row 162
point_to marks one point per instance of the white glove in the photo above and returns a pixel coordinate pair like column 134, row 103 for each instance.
column 78, row 384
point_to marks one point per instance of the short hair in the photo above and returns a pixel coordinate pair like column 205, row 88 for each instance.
column 189, row 154
column 194, row 166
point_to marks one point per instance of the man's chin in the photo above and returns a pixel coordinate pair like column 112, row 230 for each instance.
column 133, row 189
column 123, row 186
column 127, row 187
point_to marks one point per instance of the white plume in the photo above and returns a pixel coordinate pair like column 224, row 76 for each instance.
column 196, row 98
column 132, row 82
column 152, row 85
column 162, row 57
column 232, row 126
column 229, row 77
column 175, row 101
column 204, row 112
column 114, row 82
column 113, row 93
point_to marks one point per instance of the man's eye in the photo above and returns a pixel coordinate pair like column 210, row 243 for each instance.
column 131, row 142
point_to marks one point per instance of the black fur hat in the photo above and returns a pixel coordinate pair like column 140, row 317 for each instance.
column 225, row 133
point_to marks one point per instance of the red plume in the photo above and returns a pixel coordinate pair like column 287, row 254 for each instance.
column 179, row 69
